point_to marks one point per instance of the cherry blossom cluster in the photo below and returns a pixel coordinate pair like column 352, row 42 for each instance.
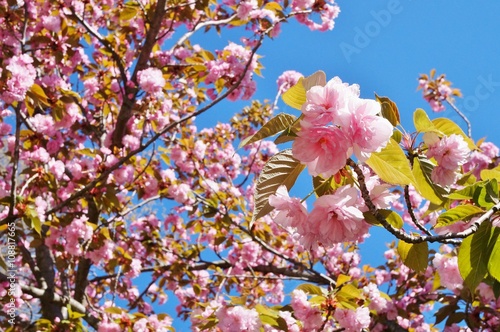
column 335, row 218
column 337, row 123
column 436, row 90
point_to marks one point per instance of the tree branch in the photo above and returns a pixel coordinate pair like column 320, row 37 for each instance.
column 131, row 91
column 400, row 234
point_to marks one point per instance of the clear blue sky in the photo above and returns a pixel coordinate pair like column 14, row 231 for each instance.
column 384, row 46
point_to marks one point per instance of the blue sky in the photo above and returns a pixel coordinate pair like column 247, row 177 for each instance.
column 384, row 46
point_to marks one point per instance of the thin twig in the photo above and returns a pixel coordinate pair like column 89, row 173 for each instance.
column 469, row 127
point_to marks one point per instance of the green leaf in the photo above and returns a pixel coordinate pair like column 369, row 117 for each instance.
column 488, row 174
column 494, row 260
column 128, row 13
column 462, row 212
column 473, row 256
column 422, row 169
column 392, row 165
column 33, row 219
column 390, row 216
column 37, row 93
column 397, row 136
column 486, row 196
column 348, row 296
column 467, row 192
column 281, row 169
column 414, row 255
column 311, row 289
column 448, row 127
column 277, row 124
column 295, row 96
column 342, row 279
column 389, row 110
column 422, row 122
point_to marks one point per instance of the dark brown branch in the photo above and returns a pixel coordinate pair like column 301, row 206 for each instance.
column 131, row 91
column 15, row 165
column 297, row 273
column 412, row 213
column 50, row 308
column 81, row 280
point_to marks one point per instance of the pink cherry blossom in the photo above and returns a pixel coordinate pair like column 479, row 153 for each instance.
column 444, row 176
column 109, row 327
column 323, row 149
column 367, row 132
column 43, row 124
column 291, row 211
column 57, row 168
column 245, row 7
column 448, row 271
column 23, row 76
column 288, row 79
column 324, row 103
column 335, row 218
column 238, row 319
column 353, row 320
column 450, row 152
column 151, row 80
column 309, row 316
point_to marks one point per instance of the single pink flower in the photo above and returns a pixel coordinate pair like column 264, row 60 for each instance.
column 324, row 103
column 450, row 151
column 291, row 212
column 323, row 149
column 447, row 267
column 367, row 131
column 151, row 80
column 444, row 176
column 335, row 218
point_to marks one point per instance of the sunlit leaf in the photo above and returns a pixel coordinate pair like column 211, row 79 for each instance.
column 473, row 256
column 414, row 255
column 461, row 212
column 277, row 124
column 389, row 110
column 494, row 260
column 487, row 174
column 392, row 165
column 311, row 289
column 36, row 91
column 390, row 216
column 281, row 169
column 486, row 196
column 295, row 96
column 422, row 122
column 422, row 169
